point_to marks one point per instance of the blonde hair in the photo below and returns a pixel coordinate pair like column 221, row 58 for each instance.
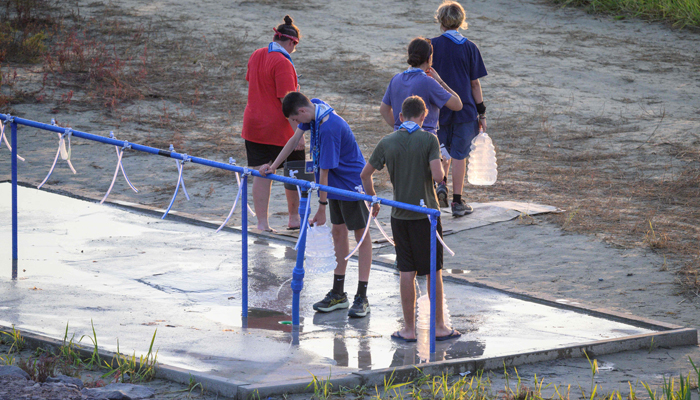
column 451, row 15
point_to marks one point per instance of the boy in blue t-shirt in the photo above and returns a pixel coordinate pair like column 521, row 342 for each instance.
column 459, row 63
column 338, row 162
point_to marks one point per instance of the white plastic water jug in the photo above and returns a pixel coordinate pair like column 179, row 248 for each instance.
column 482, row 161
column 319, row 253
column 423, row 320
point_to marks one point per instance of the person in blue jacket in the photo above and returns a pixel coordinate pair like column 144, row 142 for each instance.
column 338, row 162
column 459, row 63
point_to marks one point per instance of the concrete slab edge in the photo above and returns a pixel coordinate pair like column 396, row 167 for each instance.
column 370, row 378
column 214, row 384
column 264, row 390
column 241, row 390
column 673, row 338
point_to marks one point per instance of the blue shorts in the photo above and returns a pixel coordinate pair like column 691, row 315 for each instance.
column 457, row 138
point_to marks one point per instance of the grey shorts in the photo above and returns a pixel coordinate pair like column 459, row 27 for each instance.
column 353, row 214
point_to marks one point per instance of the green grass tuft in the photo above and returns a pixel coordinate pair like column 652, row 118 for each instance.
column 680, row 13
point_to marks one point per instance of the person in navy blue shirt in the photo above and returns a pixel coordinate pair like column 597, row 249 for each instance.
column 459, row 63
column 338, row 162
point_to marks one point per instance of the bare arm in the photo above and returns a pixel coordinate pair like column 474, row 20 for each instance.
column 436, row 170
column 320, row 217
column 454, row 103
column 286, row 151
column 478, row 98
column 476, row 92
column 368, row 183
column 387, row 113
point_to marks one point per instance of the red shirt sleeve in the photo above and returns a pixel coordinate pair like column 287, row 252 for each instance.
column 285, row 78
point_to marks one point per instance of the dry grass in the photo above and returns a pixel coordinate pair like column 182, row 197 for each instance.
column 631, row 197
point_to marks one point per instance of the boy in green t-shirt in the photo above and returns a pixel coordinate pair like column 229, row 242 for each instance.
column 412, row 157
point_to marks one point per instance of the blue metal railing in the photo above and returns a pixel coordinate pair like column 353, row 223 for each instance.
column 298, row 271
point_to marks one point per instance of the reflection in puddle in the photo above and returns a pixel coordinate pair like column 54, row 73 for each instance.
column 355, row 343
column 457, row 271
column 260, row 318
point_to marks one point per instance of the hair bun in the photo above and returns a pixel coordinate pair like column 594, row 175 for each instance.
column 288, row 20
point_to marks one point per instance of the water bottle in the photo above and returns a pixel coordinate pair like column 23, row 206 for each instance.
column 482, row 161
column 423, row 320
column 319, row 253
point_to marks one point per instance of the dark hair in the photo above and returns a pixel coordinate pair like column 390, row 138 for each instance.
column 287, row 28
column 419, row 51
column 292, row 102
column 412, row 107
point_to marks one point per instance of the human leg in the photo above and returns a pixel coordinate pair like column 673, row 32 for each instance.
column 336, row 298
column 458, row 205
column 293, row 208
column 360, row 306
column 407, row 275
column 259, row 154
column 407, row 288
column 459, row 169
column 441, row 329
column 341, row 247
column 462, row 136
column 261, row 200
column 444, row 135
column 364, row 255
column 353, row 215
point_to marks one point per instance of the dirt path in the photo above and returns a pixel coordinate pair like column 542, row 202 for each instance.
column 593, row 115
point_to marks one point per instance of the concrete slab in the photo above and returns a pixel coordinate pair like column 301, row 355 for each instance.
column 132, row 273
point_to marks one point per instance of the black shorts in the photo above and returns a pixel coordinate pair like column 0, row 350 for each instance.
column 353, row 214
column 412, row 239
column 259, row 154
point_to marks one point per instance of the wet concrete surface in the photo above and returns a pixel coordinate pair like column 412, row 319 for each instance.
column 131, row 273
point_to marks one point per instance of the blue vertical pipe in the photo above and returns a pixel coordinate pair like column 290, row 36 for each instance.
column 298, row 271
column 244, row 246
column 433, row 283
column 13, row 141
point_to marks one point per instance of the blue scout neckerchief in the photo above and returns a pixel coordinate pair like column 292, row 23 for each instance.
column 275, row 47
column 320, row 113
column 410, row 126
column 455, row 36
column 414, row 70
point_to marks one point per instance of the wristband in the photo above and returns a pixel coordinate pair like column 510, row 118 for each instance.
column 481, row 108
column 325, row 203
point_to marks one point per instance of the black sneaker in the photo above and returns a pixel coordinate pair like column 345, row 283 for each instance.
column 442, row 193
column 461, row 208
column 332, row 301
column 360, row 307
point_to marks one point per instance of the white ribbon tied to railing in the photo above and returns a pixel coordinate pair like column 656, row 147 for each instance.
column 62, row 151
column 3, row 137
column 180, row 181
column 452, row 253
column 120, row 166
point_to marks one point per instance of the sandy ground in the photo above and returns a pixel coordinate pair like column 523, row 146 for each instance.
column 596, row 116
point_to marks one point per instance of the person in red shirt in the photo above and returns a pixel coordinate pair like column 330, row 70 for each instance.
column 271, row 75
